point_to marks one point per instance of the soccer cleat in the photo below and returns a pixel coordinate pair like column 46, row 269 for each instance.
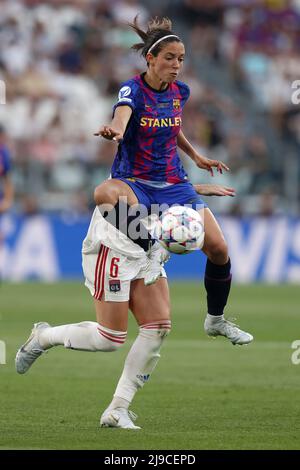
column 218, row 326
column 118, row 418
column 30, row 350
column 157, row 256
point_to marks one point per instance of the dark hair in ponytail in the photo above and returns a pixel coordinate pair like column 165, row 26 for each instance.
column 157, row 29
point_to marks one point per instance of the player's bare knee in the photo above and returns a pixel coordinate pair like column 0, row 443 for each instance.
column 106, row 193
column 218, row 251
column 101, row 195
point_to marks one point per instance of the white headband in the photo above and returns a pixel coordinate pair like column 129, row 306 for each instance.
column 161, row 39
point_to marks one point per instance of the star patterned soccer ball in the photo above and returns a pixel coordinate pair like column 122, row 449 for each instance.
column 181, row 230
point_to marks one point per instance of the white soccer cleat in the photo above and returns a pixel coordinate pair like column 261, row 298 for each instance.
column 118, row 418
column 157, row 256
column 218, row 326
column 30, row 350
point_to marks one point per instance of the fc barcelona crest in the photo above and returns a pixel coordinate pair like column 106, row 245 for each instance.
column 176, row 103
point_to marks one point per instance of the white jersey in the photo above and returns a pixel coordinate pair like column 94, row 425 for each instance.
column 111, row 261
column 101, row 231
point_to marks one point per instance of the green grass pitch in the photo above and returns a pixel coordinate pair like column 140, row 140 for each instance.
column 204, row 394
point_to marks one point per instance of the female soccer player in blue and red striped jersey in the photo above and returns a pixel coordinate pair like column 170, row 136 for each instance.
column 147, row 170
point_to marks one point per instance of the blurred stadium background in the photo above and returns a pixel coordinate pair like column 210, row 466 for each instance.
column 62, row 63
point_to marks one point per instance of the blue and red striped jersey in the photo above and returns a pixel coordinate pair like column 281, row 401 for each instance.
column 148, row 150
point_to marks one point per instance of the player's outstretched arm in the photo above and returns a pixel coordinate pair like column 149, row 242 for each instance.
column 214, row 190
column 200, row 160
column 115, row 130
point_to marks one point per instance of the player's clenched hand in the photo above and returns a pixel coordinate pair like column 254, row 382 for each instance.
column 214, row 190
column 109, row 133
column 207, row 164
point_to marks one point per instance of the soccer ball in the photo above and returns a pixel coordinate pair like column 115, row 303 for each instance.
column 180, row 230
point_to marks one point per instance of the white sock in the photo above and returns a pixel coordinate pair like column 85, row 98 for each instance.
column 84, row 336
column 118, row 402
column 141, row 360
column 215, row 318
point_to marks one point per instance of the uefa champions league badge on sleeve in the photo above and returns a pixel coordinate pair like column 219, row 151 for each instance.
column 124, row 93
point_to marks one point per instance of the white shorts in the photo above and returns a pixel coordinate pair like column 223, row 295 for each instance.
column 108, row 273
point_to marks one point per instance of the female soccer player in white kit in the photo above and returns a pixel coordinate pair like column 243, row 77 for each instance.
column 114, row 269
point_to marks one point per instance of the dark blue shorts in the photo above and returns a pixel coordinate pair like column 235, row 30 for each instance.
column 182, row 194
